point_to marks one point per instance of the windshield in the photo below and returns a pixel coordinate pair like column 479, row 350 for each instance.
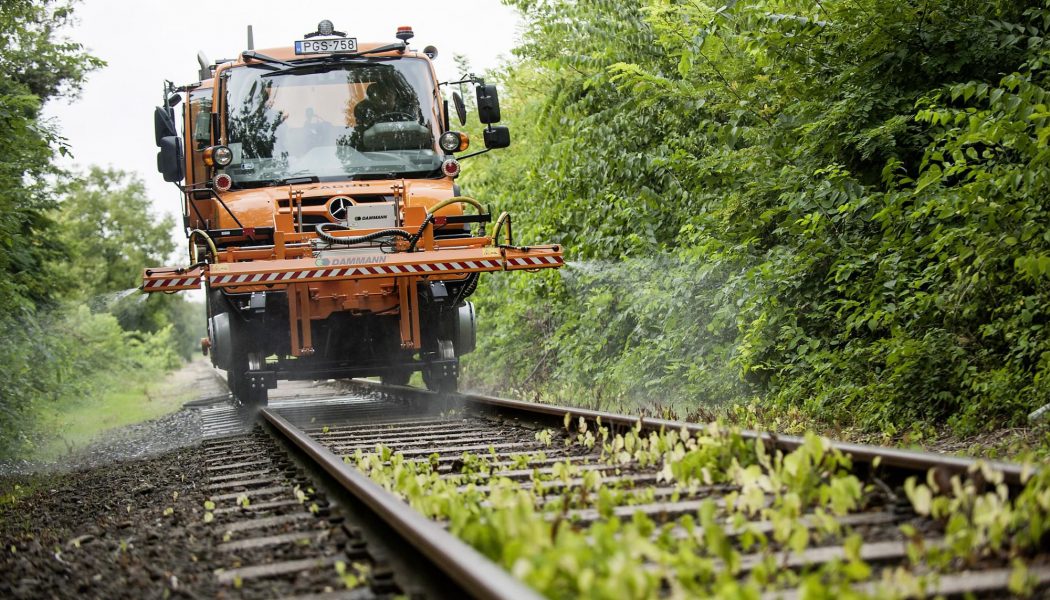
column 336, row 121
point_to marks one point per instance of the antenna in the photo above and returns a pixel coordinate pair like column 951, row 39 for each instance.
column 251, row 39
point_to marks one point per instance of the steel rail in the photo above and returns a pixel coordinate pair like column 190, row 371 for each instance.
column 477, row 575
column 908, row 460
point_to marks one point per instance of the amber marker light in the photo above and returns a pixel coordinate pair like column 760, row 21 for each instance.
column 218, row 156
column 454, row 141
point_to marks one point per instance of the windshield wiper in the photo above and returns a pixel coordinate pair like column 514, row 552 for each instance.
column 313, row 64
column 334, row 59
column 389, row 47
column 253, row 55
column 297, row 179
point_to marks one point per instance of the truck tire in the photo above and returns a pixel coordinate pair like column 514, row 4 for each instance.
column 228, row 333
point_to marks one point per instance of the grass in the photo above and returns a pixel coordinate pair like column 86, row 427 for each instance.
column 122, row 401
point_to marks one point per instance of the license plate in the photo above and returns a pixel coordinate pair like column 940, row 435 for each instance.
column 328, row 46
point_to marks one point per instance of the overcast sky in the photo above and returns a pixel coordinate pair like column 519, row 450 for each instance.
column 145, row 43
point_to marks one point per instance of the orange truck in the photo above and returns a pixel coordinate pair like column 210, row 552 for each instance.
column 323, row 216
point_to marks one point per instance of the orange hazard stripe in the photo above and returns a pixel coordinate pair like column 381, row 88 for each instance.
column 384, row 270
column 171, row 282
column 168, row 283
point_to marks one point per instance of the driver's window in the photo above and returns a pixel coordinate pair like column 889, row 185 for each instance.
column 199, row 121
column 200, row 112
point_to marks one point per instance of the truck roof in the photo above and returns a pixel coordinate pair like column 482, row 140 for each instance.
column 287, row 53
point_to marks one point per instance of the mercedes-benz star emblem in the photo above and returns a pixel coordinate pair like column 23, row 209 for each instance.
column 338, row 208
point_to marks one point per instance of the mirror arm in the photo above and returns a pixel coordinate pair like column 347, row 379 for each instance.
column 466, row 156
column 186, row 189
column 190, row 200
column 470, row 79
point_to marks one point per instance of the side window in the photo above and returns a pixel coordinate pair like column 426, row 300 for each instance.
column 200, row 116
column 199, row 136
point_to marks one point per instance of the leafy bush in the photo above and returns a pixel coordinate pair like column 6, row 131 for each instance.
column 60, row 358
column 846, row 199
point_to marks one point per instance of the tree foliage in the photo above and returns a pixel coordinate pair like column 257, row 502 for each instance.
column 35, row 66
column 64, row 240
column 109, row 230
column 845, row 199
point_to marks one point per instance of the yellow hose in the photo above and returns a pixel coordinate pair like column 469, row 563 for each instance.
column 504, row 218
column 458, row 200
column 207, row 240
column 461, row 200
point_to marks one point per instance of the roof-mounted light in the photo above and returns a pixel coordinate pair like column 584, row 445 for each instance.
column 404, row 33
column 325, row 28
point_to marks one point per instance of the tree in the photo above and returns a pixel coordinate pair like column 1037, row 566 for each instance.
column 36, row 65
column 110, row 233
column 108, row 226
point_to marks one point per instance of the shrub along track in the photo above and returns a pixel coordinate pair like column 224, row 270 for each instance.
column 577, row 502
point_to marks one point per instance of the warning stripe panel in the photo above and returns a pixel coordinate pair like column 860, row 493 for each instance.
column 161, row 284
column 534, row 261
column 380, row 270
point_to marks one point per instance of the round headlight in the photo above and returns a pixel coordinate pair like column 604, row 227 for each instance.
column 222, row 155
column 450, row 141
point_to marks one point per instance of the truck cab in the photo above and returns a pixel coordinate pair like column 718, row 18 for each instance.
column 323, row 216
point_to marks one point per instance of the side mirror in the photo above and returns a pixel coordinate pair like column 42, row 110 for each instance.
column 163, row 123
column 461, row 109
column 497, row 137
column 488, row 104
column 170, row 158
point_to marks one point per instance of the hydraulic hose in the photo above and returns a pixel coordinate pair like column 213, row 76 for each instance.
column 504, row 218
column 458, row 200
column 207, row 240
column 467, row 288
column 431, row 213
column 358, row 239
column 413, row 239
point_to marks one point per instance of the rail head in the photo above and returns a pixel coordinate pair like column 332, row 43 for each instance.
column 918, row 462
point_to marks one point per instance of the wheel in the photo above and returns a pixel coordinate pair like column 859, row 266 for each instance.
column 231, row 342
column 438, row 378
column 240, row 385
column 444, row 383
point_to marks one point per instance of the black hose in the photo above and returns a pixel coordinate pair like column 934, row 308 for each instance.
column 466, row 289
column 413, row 240
column 360, row 239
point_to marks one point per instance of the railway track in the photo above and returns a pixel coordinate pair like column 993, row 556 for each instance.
column 460, row 486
